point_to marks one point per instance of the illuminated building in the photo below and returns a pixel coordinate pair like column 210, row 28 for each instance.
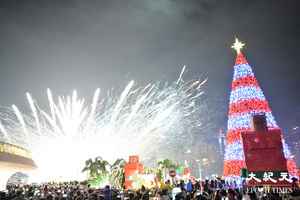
column 13, row 159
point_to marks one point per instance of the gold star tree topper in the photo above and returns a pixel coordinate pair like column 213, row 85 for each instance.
column 238, row 45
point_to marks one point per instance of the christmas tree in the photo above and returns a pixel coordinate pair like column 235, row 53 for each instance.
column 246, row 99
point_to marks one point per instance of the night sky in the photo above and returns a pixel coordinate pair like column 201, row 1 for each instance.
column 83, row 45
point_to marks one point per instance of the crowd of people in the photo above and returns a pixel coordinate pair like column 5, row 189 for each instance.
column 190, row 190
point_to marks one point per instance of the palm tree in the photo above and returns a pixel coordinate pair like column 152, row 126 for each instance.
column 149, row 170
column 165, row 165
column 102, row 166
column 117, row 173
column 97, row 169
column 90, row 167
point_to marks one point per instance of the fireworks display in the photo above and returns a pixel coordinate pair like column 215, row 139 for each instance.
column 70, row 130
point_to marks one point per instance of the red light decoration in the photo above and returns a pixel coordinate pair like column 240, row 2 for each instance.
column 233, row 167
column 233, row 136
column 248, row 105
column 240, row 59
column 292, row 168
column 244, row 81
column 246, row 99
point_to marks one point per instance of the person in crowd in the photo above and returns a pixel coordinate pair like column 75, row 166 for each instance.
column 217, row 195
column 210, row 190
column 189, row 186
column 165, row 195
column 107, row 193
column 144, row 193
column 231, row 195
column 176, row 190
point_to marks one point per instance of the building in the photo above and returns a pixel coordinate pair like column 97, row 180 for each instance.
column 13, row 159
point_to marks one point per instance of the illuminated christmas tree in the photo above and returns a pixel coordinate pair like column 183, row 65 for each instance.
column 246, row 99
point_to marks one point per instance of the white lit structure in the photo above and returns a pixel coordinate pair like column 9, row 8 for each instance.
column 14, row 159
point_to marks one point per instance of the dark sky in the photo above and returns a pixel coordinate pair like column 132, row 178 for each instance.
column 87, row 44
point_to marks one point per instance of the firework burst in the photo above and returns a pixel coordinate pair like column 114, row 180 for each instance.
column 70, row 130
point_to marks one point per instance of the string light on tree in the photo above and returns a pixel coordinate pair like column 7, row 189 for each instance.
column 246, row 100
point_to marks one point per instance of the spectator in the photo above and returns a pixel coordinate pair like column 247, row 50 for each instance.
column 107, row 193
column 176, row 190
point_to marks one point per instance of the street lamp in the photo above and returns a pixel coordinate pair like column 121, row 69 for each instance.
column 203, row 161
column 199, row 168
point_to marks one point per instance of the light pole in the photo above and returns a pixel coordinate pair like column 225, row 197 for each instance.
column 199, row 168
column 201, row 162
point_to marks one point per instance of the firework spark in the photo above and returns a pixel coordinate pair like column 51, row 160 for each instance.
column 138, row 121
